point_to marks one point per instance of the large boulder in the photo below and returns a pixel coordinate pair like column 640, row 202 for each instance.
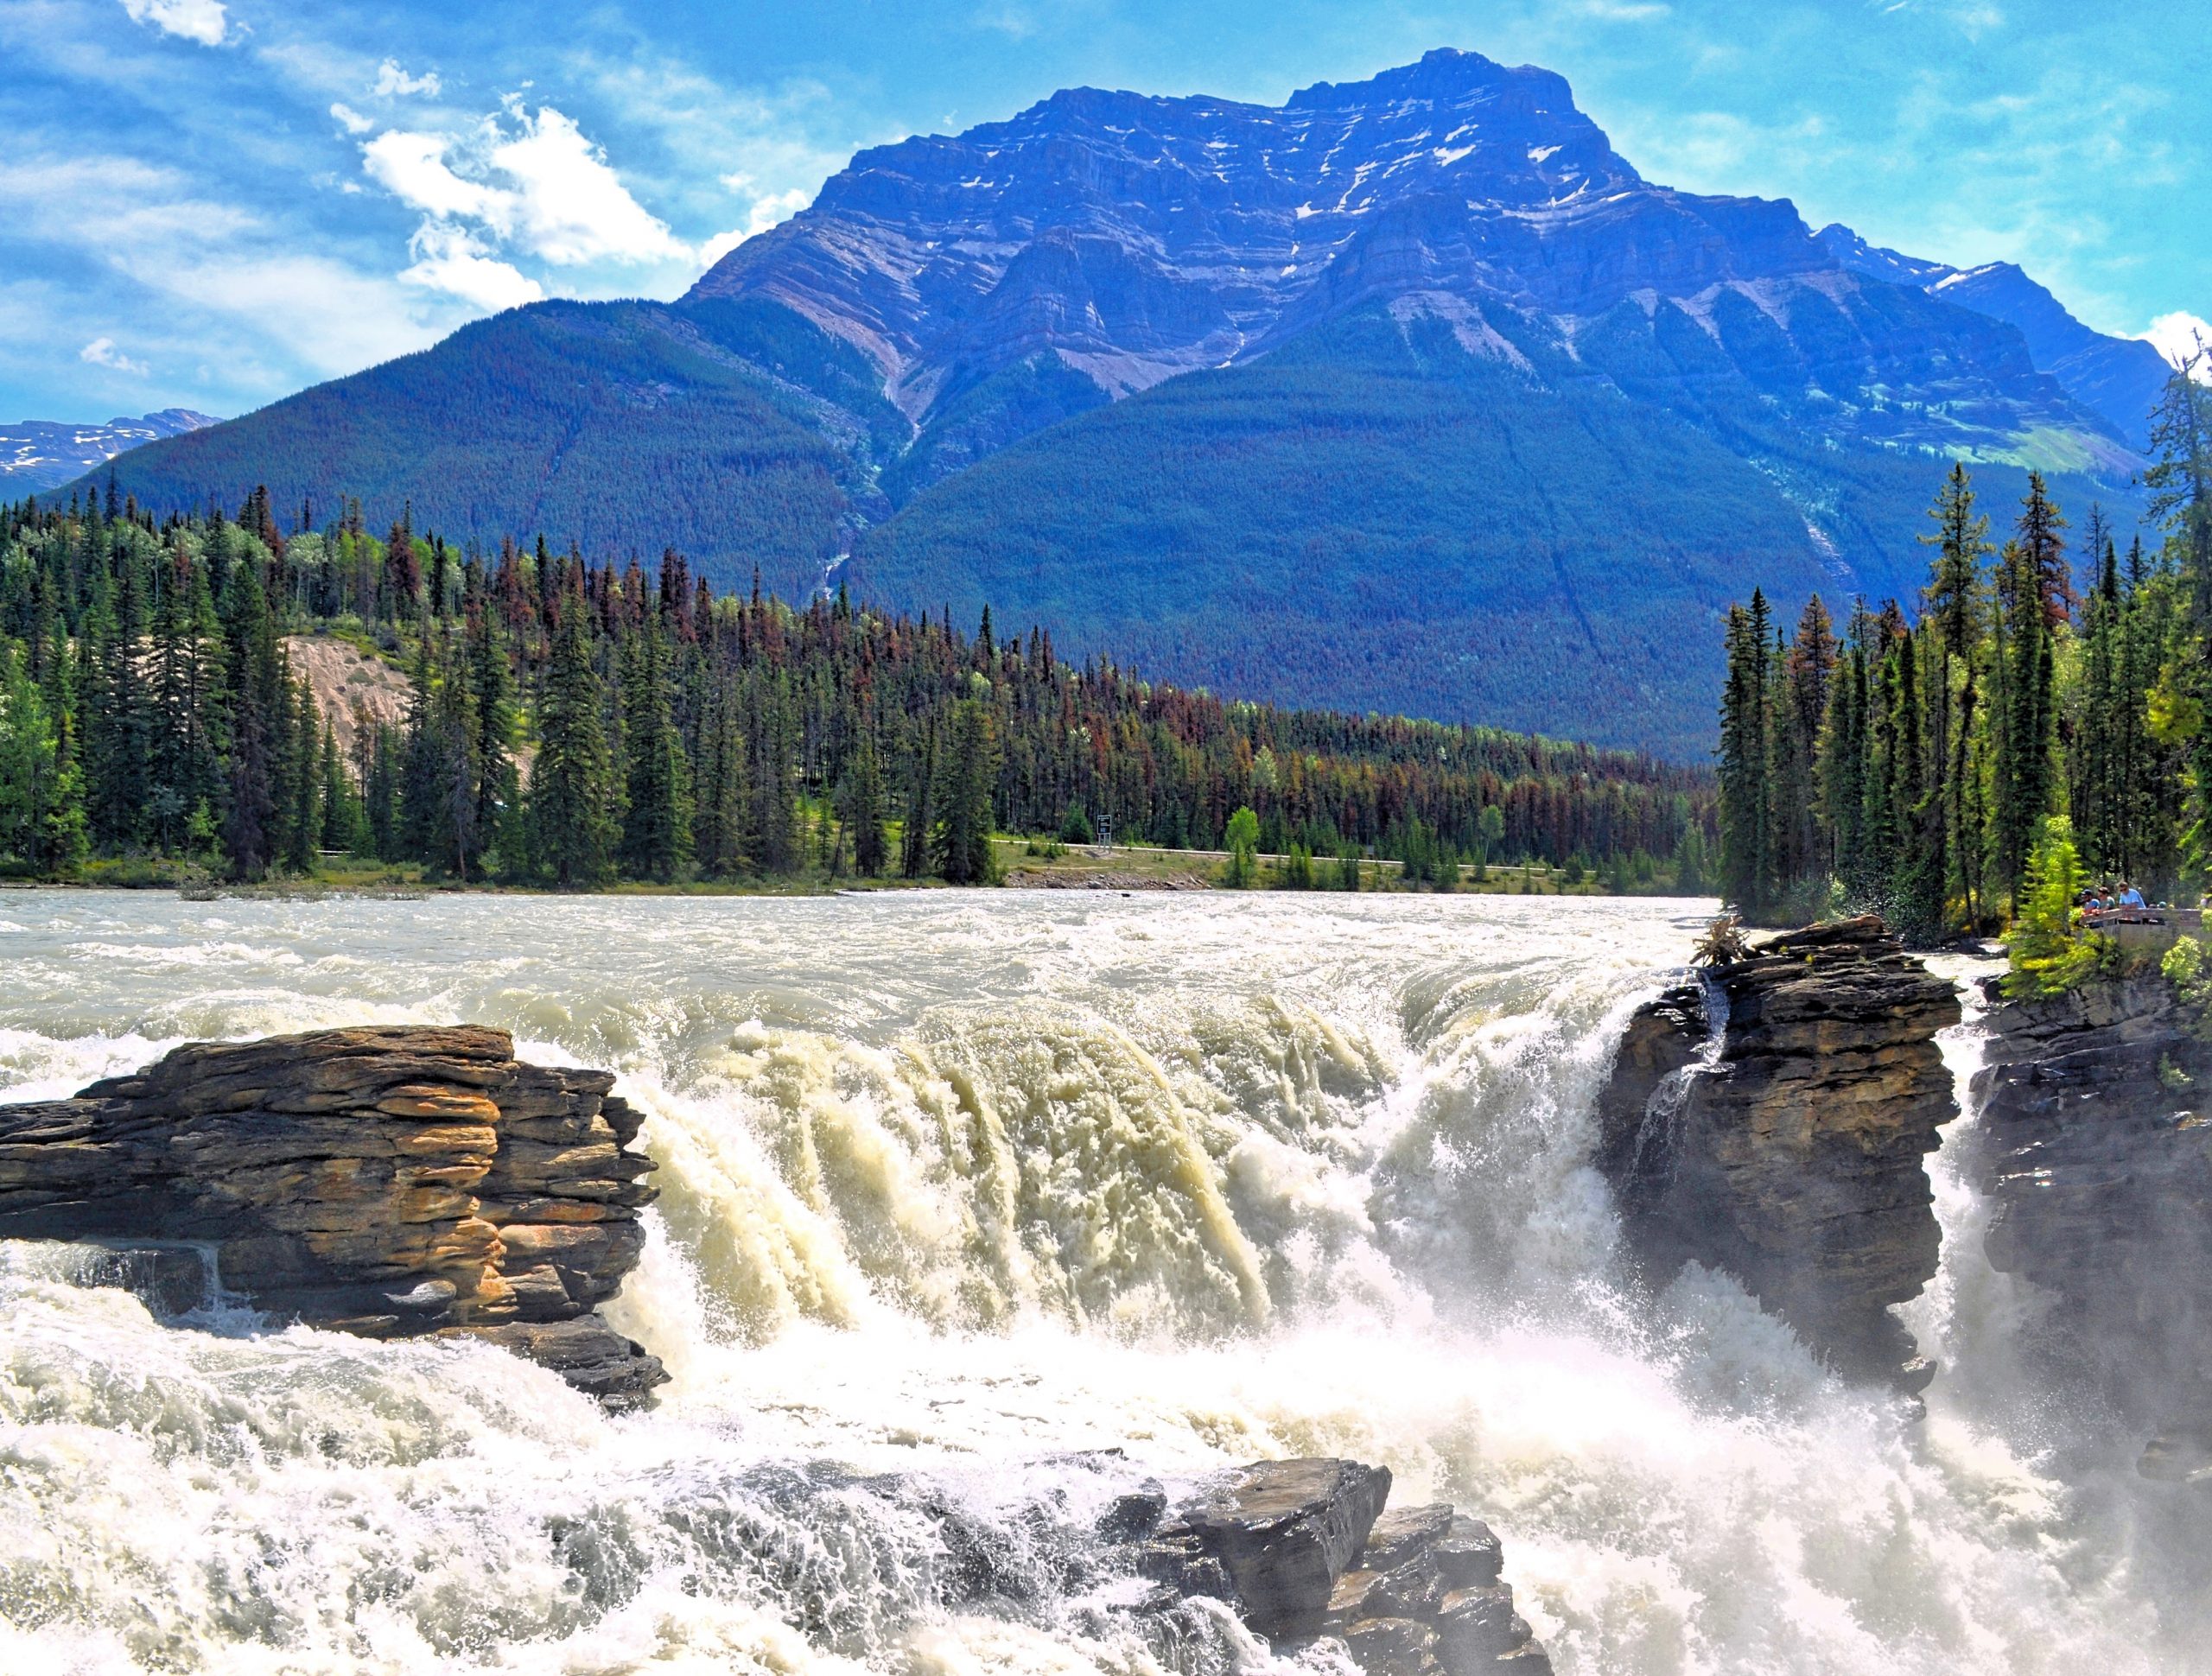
column 393, row 1181
column 1284, row 1531
column 1304, row 1549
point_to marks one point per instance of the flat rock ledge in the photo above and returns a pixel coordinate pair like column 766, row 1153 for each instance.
column 1771, row 1119
column 392, row 1182
column 1304, row 1549
column 2095, row 1143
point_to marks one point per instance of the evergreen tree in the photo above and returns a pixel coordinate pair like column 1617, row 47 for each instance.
column 961, row 842
column 773, row 818
column 254, row 678
column 657, row 825
column 342, row 824
column 921, row 809
column 495, row 790
column 1746, row 872
column 720, row 823
column 424, row 782
column 114, row 718
column 2180, row 482
column 2023, row 760
column 303, row 828
column 572, row 786
column 863, row 810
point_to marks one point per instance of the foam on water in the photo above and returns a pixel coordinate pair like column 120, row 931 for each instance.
column 957, row 1191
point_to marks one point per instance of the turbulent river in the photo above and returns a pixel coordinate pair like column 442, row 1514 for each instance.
column 957, row 1190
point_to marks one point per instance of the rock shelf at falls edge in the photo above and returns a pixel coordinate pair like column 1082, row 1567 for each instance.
column 392, row 1182
column 1789, row 1152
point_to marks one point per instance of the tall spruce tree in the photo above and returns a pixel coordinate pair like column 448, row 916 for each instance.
column 1746, row 872
column 657, row 826
column 961, row 845
column 260, row 718
column 572, row 824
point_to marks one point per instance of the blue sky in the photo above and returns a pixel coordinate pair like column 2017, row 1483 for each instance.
column 212, row 203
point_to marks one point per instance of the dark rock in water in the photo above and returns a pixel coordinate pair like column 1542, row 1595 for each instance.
column 1303, row 1549
column 1134, row 1515
column 171, row 1280
column 1787, row 1149
column 392, row 1182
column 2095, row 1143
column 1284, row 1531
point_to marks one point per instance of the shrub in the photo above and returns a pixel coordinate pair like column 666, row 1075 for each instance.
column 2052, row 952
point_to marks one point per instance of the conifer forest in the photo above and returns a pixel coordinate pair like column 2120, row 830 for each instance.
column 569, row 724
column 2042, row 712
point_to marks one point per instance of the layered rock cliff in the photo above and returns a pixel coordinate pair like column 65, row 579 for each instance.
column 1770, row 1121
column 2094, row 1141
column 389, row 1182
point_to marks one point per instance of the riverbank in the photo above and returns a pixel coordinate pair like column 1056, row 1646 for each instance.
column 1030, row 863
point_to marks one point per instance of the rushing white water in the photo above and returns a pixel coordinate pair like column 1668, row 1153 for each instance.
column 957, row 1187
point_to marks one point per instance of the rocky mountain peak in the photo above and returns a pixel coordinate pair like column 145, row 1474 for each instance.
column 1133, row 236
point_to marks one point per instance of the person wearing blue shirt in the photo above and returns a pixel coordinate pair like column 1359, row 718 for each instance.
column 2131, row 898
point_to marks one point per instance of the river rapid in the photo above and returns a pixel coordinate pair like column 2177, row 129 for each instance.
column 958, row 1189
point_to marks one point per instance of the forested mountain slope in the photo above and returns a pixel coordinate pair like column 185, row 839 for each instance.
column 1185, row 374
column 1378, row 516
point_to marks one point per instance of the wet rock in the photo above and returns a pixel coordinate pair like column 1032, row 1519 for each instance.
column 1787, row 1151
column 390, row 1182
column 1133, row 1515
column 2096, row 1144
column 1393, row 1647
column 1284, row 1531
column 1416, row 1593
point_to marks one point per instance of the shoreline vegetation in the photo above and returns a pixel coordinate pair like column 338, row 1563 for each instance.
column 2032, row 741
column 1022, row 863
column 216, row 703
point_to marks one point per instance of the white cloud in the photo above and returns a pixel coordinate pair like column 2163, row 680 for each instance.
column 391, row 81
column 541, row 185
column 202, row 21
column 570, row 205
column 326, row 315
column 2177, row 336
column 351, row 120
column 768, row 210
column 450, row 259
column 413, row 168
column 226, row 263
column 102, row 352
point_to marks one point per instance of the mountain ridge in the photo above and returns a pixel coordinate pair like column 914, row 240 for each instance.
column 2119, row 378
column 1422, row 317
column 41, row 453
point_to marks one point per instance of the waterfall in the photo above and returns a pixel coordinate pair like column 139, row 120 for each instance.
column 1655, row 1155
column 1199, row 1180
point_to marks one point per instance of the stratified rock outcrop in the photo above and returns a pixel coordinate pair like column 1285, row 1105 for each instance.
column 1786, row 1148
column 389, row 1182
column 2095, row 1143
column 1303, row 1549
